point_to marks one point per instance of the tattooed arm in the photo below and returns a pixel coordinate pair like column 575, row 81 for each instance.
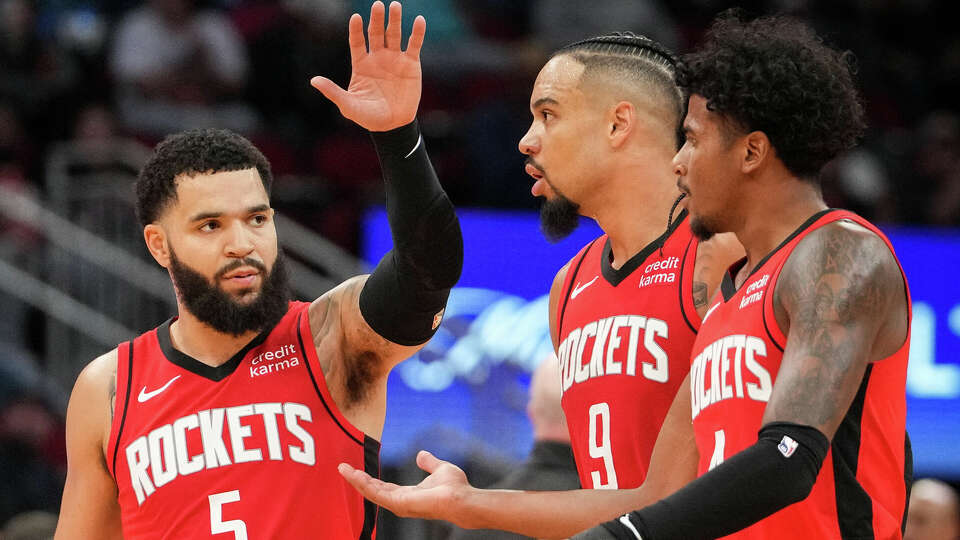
column 841, row 302
column 89, row 507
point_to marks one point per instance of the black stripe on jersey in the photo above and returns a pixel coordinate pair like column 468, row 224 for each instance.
column 854, row 507
column 615, row 276
column 683, row 287
column 907, row 477
column 728, row 286
column 566, row 296
column 191, row 364
column 763, row 316
column 371, row 465
column 126, row 404
column 317, row 388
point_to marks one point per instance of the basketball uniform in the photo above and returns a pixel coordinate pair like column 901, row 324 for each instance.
column 625, row 340
column 246, row 450
column 860, row 492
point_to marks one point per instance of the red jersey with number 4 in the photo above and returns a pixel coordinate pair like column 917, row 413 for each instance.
column 625, row 339
column 860, row 492
column 246, row 450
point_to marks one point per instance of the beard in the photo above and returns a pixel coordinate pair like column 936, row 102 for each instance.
column 218, row 309
column 559, row 217
column 701, row 228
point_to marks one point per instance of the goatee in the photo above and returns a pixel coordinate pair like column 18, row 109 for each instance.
column 559, row 217
column 218, row 309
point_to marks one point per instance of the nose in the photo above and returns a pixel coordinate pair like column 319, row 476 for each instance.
column 529, row 143
column 679, row 168
column 239, row 242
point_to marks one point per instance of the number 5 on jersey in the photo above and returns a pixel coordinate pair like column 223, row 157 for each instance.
column 600, row 421
column 217, row 525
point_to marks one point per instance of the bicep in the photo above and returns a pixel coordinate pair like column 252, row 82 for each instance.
column 89, row 508
column 834, row 290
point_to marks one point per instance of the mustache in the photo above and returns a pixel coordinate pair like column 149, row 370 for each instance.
column 535, row 165
column 231, row 266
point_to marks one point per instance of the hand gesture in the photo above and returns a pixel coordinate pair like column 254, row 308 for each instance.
column 384, row 90
column 436, row 497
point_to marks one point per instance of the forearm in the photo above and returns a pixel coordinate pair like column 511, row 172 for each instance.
column 408, row 290
column 544, row 514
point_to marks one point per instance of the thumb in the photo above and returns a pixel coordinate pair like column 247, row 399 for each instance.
column 428, row 462
column 330, row 90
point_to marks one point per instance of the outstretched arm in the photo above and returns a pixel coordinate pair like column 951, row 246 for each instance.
column 841, row 296
column 383, row 319
column 446, row 493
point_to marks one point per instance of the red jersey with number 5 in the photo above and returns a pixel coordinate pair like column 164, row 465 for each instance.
column 861, row 488
column 625, row 338
column 246, row 450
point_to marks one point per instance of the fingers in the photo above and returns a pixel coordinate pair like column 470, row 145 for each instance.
column 428, row 462
column 415, row 43
column 358, row 44
column 375, row 27
column 332, row 92
column 394, row 24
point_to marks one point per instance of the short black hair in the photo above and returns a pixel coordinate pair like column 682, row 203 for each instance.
column 634, row 56
column 196, row 151
column 775, row 75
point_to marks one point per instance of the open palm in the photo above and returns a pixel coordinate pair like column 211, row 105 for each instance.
column 385, row 86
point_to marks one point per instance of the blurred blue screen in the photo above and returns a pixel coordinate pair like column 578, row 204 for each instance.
column 465, row 393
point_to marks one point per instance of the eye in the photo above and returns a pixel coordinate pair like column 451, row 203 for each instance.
column 258, row 219
column 546, row 115
column 209, row 226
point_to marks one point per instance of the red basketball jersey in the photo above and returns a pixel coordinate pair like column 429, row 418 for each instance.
column 860, row 491
column 246, row 450
column 625, row 340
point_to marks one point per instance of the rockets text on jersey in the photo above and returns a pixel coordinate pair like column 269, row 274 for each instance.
column 624, row 346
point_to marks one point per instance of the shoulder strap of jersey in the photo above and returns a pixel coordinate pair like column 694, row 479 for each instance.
column 568, row 283
column 124, row 383
column 688, row 307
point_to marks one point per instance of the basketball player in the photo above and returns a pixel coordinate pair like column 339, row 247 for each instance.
column 797, row 387
column 228, row 420
column 625, row 310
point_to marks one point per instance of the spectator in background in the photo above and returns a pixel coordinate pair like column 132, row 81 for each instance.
column 36, row 525
column 550, row 466
column 934, row 512
column 178, row 68
column 939, row 169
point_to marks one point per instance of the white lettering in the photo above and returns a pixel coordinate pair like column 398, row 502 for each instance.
column 211, row 435
column 163, row 466
column 304, row 454
column 186, row 465
column 138, row 459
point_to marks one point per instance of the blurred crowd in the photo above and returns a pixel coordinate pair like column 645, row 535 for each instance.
column 89, row 73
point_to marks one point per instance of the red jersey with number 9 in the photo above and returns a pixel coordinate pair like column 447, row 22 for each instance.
column 246, row 450
column 625, row 339
column 861, row 489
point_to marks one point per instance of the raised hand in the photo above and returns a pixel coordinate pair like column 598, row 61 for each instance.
column 384, row 89
column 436, row 497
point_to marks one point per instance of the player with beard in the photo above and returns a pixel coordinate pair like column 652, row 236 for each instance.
column 228, row 420
column 625, row 310
column 798, row 372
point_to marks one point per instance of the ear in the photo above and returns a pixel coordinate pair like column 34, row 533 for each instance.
column 756, row 151
column 621, row 121
column 156, row 240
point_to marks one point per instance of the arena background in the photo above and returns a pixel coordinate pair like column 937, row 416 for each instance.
column 80, row 107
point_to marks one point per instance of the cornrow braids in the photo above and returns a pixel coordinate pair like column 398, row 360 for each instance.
column 623, row 43
column 673, row 209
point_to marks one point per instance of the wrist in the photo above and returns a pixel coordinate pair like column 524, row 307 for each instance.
column 397, row 141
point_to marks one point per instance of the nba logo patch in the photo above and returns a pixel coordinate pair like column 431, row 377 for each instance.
column 437, row 318
column 787, row 446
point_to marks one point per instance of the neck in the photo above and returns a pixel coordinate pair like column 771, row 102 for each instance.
column 773, row 214
column 194, row 338
column 633, row 210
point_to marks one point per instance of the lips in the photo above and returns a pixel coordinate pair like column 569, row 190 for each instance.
column 539, row 187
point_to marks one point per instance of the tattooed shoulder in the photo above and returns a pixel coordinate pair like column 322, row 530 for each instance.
column 112, row 393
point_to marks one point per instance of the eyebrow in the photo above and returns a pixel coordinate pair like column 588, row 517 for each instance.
column 210, row 215
column 544, row 101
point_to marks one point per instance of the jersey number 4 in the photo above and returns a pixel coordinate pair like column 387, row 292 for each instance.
column 600, row 425
column 217, row 524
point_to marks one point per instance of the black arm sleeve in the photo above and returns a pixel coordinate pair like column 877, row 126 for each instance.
column 404, row 297
column 775, row 472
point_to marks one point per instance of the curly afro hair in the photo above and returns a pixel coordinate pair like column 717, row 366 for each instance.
column 192, row 152
column 775, row 75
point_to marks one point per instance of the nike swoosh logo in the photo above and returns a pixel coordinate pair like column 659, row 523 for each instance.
column 709, row 311
column 625, row 520
column 144, row 395
column 579, row 288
